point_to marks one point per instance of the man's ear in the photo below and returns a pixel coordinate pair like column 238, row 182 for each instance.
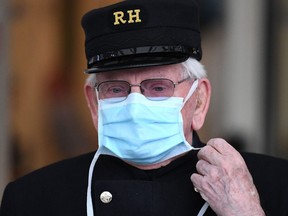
column 202, row 103
column 91, row 99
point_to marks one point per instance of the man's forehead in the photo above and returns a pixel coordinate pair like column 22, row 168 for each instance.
column 174, row 70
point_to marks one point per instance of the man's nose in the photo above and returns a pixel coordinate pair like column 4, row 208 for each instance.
column 135, row 88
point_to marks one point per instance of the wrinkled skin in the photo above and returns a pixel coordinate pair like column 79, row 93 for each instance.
column 223, row 180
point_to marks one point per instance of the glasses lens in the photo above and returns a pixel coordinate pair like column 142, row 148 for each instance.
column 116, row 90
column 157, row 89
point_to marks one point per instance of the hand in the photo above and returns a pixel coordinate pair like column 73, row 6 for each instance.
column 224, row 181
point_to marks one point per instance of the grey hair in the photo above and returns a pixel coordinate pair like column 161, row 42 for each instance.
column 91, row 80
column 192, row 68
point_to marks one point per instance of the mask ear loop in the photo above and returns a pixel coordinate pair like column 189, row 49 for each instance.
column 89, row 203
column 191, row 91
column 203, row 209
column 189, row 94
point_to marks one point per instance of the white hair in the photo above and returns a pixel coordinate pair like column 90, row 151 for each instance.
column 91, row 79
column 192, row 68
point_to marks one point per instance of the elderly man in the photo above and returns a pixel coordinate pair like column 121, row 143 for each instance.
column 148, row 95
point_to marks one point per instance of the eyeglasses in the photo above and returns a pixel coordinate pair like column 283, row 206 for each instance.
column 152, row 89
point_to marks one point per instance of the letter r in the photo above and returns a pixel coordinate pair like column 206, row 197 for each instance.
column 119, row 17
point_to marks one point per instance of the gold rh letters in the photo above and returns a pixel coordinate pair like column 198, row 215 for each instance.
column 134, row 17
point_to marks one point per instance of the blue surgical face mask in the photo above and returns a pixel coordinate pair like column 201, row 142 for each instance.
column 141, row 131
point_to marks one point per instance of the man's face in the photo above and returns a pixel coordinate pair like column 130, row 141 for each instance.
column 135, row 76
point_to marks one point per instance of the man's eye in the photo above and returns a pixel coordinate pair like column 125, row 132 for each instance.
column 116, row 90
column 158, row 88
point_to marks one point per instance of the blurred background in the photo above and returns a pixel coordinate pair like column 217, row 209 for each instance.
column 43, row 113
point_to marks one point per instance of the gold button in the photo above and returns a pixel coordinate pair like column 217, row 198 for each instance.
column 106, row 197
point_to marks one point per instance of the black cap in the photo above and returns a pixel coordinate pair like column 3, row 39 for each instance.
column 140, row 33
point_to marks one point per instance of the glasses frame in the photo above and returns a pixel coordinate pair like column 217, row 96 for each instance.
column 96, row 85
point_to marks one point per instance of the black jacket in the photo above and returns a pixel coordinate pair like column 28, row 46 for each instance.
column 60, row 189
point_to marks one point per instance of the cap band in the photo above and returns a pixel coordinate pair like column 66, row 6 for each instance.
column 133, row 57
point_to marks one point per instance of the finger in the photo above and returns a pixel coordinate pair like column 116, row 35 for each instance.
column 227, row 151
column 206, row 169
column 221, row 146
column 211, row 176
column 197, row 181
column 209, row 154
column 218, row 152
